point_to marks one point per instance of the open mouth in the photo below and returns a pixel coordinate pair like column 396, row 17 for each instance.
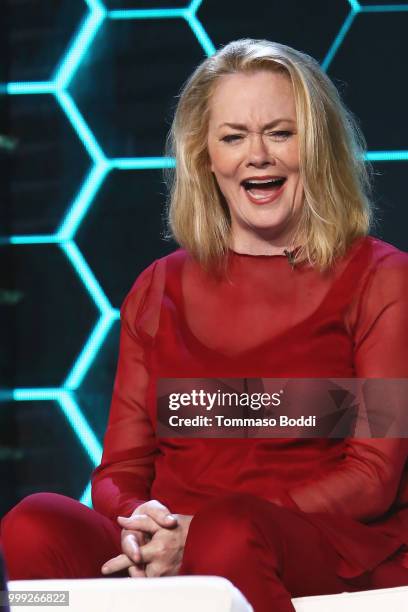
column 262, row 189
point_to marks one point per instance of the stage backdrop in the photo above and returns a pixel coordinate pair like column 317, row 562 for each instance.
column 88, row 91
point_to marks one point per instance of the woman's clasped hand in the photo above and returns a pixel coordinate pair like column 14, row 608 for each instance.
column 152, row 542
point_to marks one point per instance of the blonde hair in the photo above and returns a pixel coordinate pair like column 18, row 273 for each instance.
column 336, row 180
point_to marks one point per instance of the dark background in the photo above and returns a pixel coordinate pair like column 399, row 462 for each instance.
column 124, row 90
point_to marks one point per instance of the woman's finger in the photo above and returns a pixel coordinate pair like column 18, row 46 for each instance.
column 141, row 522
column 116, row 564
column 141, row 536
column 136, row 571
column 130, row 545
column 152, row 550
column 158, row 512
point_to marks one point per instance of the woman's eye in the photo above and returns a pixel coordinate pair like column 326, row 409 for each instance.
column 232, row 137
column 280, row 135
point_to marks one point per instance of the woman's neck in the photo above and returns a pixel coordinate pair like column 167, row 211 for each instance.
column 263, row 241
column 260, row 247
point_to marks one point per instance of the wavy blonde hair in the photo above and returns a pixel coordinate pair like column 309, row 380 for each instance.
column 336, row 180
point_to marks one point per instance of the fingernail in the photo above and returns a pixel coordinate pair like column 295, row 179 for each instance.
column 170, row 517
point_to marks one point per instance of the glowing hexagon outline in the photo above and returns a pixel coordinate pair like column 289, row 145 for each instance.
column 101, row 166
column 355, row 9
column 75, row 418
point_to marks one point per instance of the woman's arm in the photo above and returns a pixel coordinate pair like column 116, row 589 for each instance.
column 362, row 487
column 365, row 483
column 123, row 479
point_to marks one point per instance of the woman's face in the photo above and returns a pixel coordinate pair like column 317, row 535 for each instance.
column 254, row 154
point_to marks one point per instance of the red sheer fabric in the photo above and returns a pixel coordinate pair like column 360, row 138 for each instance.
column 264, row 319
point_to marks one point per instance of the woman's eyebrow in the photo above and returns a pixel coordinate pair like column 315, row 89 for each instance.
column 271, row 124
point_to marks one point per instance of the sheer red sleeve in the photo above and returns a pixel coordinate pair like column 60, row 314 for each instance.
column 122, row 481
column 364, row 485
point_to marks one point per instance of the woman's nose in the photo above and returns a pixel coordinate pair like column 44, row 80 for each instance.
column 258, row 152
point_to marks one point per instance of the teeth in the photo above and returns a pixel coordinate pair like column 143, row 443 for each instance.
column 258, row 197
column 260, row 182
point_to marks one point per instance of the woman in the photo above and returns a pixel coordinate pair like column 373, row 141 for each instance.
column 277, row 278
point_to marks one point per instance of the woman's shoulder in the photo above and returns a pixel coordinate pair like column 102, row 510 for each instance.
column 381, row 250
column 173, row 259
column 157, row 268
column 375, row 253
column 378, row 270
column 150, row 281
column 141, row 306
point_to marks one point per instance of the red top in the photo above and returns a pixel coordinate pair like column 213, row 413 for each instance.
column 265, row 319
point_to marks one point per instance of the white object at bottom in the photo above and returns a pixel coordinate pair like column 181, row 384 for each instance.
column 172, row 594
column 191, row 594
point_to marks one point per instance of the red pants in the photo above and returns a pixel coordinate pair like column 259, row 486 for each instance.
column 270, row 553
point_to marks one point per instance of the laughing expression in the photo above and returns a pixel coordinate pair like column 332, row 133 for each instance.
column 254, row 155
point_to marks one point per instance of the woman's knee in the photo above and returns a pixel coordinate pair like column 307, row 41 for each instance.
column 36, row 504
column 48, row 535
column 26, row 533
column 28, row 509
column 33, row 518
